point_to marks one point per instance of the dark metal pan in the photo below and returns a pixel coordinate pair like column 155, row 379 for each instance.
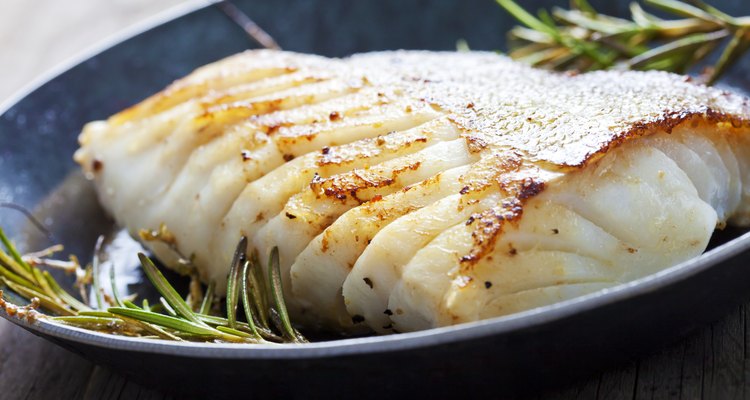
column 504, row 356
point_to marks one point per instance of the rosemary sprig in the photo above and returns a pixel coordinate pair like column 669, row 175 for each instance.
column 583, row 39
column 95, row 265
column 246, row 302
column 180, row 325
column 277, row 293
column 177, row 321
column 233, row 290
column 169, row 294
column 63, row 295
column 208, row 299
column 30, row 282
column 113, row 284
column 256, row 290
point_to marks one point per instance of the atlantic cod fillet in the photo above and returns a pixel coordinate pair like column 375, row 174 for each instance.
column 407, row 190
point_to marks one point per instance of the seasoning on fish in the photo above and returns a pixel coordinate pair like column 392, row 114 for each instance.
column 410, row 189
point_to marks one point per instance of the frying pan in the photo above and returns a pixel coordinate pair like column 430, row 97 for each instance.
column 506, row 356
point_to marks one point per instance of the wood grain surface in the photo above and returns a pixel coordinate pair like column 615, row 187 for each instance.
column 711, row 364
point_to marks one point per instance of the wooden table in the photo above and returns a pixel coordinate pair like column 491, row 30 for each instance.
column 711, row 364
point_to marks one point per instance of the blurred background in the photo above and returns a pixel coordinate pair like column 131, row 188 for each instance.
column 37, row 35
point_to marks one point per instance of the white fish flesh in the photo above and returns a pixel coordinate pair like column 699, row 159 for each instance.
column 409, row 190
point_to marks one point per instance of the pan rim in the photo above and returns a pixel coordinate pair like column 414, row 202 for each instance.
column 352, row 346
column 403, row 341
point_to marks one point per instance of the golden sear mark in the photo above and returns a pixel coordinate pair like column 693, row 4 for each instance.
column 188, row 88
column 517, row 182
column 369, row 148
column 348, row 185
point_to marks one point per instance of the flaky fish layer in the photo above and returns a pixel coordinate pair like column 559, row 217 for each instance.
column 407, row 190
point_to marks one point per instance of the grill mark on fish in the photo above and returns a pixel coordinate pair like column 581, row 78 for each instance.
column 351, row 189
column 303, row 139
column 347, row 186
column 213, row 122
column 381, row 210
column 260, row 88
column 350, row 185
column 218, row 117
column 349, row 105
column 351, row 156
column 413, row 139
column 393, row 155
column 250, row 155
column 183, row 90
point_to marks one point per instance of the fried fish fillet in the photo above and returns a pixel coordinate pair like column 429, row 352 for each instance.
column 407, row 190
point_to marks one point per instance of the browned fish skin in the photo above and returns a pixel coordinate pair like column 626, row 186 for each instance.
column 310, row 139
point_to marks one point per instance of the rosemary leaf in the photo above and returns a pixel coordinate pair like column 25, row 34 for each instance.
column 95, row 271
column 462, row 46
column 130, row 304
column 151, row 328
column 9, row 262
column 676, row 29
column 246, row 302
column 208, row 299
column 589, row 49
column 715, row 12
column 45, row 301
column 96, row 313
column 10, row 248
column 92, row 322
column 236, row 332
column 214, row 320
column 44, row 253
column 577, row 18
column 624, row 48
column 167, row 307
column 526, row 18
column 44, row 285
column 545, row 56
column 175, row 323
column 195, row 295
column 583, row 5
column 678, row 47
column 684, row 9
column 13, row 277
column 546, row 19
column 126, row 318
column 258, row 291
column 168, row 292
column 113, row 284
column 233, row 289
column 219, row 321
column 737, row 45
column 587, row 40
column 277, row 293
column 63, row 295
column 641, row 17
